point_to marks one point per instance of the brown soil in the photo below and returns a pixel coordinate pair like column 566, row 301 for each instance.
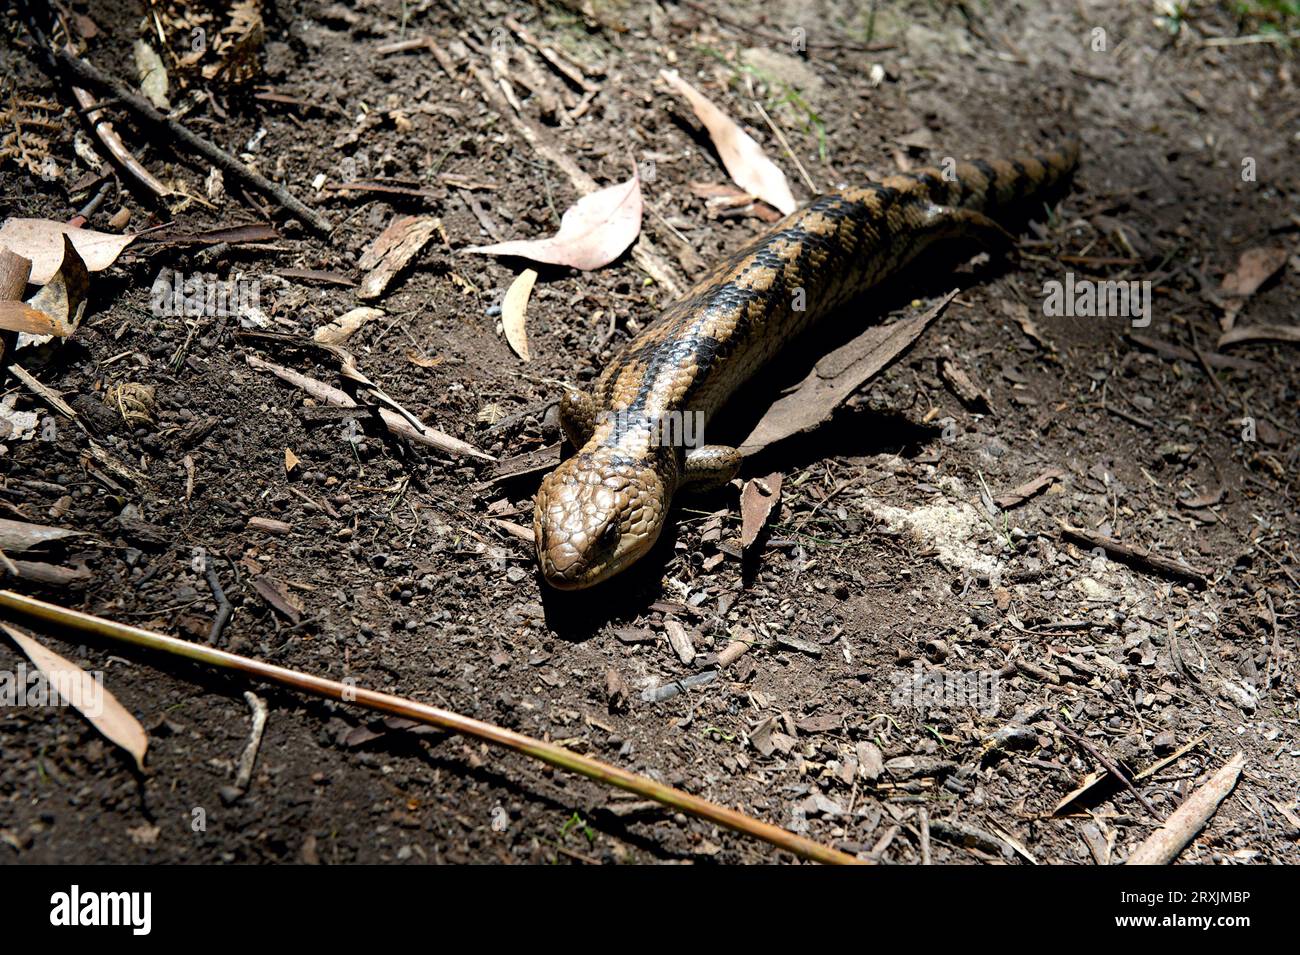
column 878, row 563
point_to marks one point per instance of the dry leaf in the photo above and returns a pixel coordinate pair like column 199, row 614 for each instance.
column 757, row 500
column 836, row 376
column 745, row 160
column 80, row 690
column 594, row 231
column 1261, row 333
column 153, row 75
column 1254, row 268
column 514, row 312
column 415, row 358
column 41, row 240
column 342, row 328
column 63, row 298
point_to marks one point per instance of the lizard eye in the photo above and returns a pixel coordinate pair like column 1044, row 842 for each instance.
column 609, row 536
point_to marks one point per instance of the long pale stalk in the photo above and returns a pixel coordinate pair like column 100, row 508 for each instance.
column 84, row 623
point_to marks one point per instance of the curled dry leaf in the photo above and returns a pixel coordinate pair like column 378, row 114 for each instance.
column 41, row 240
column 514, row 312
column 88, row 695
column 594, row 231
column 63, row 298
column 342, row 328
column 1261, row 333
column 745, row 160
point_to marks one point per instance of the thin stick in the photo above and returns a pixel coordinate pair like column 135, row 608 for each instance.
column 1106, row 763
column 215, row 154
column 785, row 144
column 224, row 609
column 1142, row 557
column 84, row 623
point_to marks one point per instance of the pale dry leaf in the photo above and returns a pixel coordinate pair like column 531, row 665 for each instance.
column 342, row 328
column 1254, row 268
column 153, row 75
column 41, row 240
column 744, row 159
column 86, row 694
column 594, row 231
column 1260, row 333
column 514, row 312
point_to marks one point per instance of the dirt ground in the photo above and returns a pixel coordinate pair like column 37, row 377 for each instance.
column 885, row 559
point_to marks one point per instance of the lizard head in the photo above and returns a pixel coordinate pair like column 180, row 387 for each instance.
column 595, row 514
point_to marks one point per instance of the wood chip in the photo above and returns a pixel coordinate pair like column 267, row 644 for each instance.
column 268, row 525
column 680, row 641
column 389, row 253
column 968, row 393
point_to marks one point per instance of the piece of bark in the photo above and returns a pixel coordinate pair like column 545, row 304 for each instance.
column 838, row 375
column 1164, row 845
column 967, row 392
column 615, row 690
column 273, row 592
column 680, row 641
column 269, row 525
column 757, row 501
column 389, row 253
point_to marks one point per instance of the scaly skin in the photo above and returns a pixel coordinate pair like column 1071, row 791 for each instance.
column 603, row 508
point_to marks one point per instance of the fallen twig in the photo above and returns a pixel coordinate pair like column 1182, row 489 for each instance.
column 550, row 753
column 142, row 108
column 248, row 758
column 224, row 608
column 1163, row 845
column 1142, row 557
column 1109, row 766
